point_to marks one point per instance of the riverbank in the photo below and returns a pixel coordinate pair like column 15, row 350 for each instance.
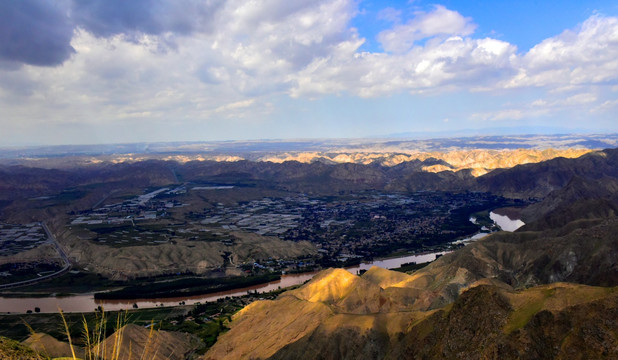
column 86, row 302
column 186, row 286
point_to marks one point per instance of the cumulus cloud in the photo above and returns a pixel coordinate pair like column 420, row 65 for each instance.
column 450, row 58
column 39, row 32
column 605, row 106
column 573, row 100
column 436, row 66
column 308, row 47
column 260, row 47
column 150, row 17
column 235, row 105
column 234, row 56
column 35, row 32
column 438, row 22
column 586, row 55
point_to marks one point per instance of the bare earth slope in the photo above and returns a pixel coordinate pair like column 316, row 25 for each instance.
column 480, row 161
column 137, row 342
column 498, row 322
column 332, row 296
column 184, row 256
column 47, row 345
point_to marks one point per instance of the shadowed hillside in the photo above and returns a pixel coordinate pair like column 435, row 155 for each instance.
column 538, row 180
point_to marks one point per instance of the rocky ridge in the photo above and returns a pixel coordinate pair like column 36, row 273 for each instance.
column 327, row 319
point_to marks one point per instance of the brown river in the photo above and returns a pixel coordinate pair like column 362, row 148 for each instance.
column 87, row 303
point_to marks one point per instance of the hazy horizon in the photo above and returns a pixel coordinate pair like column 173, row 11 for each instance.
column 403, row 136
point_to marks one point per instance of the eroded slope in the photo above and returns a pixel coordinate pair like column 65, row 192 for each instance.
column 486, row 320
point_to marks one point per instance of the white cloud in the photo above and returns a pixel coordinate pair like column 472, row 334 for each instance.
column 572, row 61
column 508, row 114
column 307, row 48
column 586, row 55
column 607, row 105
column 390, row 14
column 439, row 22
column 434, row 67
column 254, row 51
column 574, row 100
column 235, row 105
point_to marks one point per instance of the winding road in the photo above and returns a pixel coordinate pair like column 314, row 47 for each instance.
column 61, row 252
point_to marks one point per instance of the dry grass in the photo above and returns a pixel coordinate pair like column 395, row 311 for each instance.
column 552, row 297
column 97, row 346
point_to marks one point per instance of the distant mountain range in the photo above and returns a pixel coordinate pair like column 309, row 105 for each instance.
column 256, row 149
column 453, row 171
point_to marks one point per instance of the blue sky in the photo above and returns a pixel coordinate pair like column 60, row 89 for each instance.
column 524, row 23
column 75, row 72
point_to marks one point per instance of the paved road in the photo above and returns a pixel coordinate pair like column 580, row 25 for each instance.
column 63, row 255
column 59, row 248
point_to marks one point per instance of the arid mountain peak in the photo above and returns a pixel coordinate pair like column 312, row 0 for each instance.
column 385, row 278
column 328, row 286
column 485, row 317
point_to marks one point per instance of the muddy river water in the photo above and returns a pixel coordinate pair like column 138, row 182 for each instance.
column 87, row 303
